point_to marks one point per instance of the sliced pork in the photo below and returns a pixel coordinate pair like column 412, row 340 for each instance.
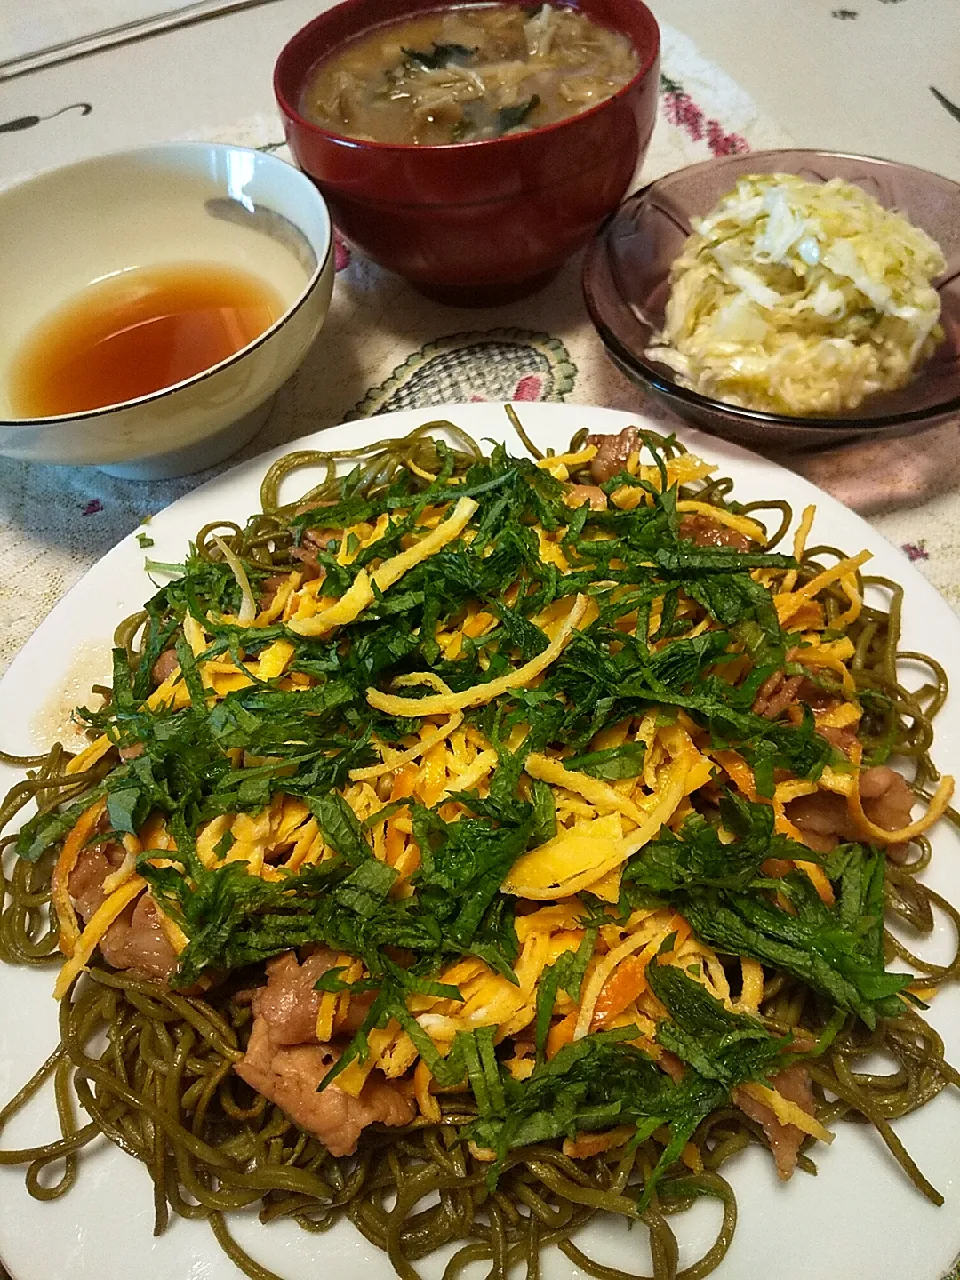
column 313, row 540
column 711, row 533
column 289, row 1077
column 269, row 588
column 825, row 819
column 285, row 1063
column 780, row 692
column 289, row 1004
column 164, row 667
column 137, row 943
column 613, row 453
column 586, row 495
column 887, row 798
column 777, row 692
column 785, row 1139
column 136, row 940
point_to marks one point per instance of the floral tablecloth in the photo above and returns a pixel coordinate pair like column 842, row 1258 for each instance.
column 385, row 347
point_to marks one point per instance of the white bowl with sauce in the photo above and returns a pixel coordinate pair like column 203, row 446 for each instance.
column 152, row 302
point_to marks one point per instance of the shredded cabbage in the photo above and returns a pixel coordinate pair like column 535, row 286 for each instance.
column 800, row 297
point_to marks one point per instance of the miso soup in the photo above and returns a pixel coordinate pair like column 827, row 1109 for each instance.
column 469, row 73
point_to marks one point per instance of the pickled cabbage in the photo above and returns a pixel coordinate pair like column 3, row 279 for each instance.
column 800, row 297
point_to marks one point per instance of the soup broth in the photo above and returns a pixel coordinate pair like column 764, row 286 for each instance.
column 137, row 332
column 469, row 73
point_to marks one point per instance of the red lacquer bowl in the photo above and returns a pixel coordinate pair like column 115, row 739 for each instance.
column 474, row 223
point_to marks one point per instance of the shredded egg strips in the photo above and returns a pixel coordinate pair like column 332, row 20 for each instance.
column 600, row 825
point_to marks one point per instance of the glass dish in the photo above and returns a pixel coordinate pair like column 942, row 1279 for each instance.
column 625, row 285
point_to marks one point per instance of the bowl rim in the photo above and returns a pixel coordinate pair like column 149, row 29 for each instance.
column 671, row 389
column 24, row 424
column 293, row 113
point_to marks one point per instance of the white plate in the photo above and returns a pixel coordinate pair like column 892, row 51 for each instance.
column 859, row 1219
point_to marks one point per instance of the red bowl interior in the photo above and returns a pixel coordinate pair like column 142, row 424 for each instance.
column 476, row 221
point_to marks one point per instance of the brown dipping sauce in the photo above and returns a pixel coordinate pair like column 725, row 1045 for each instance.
column 136, row 333
column 468, row 73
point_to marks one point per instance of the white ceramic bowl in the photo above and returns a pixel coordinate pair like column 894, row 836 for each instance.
column 173, row 203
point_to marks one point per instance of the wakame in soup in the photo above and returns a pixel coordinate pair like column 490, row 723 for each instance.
column 464, row 74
